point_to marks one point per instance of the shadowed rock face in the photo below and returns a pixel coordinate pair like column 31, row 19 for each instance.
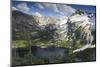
column 22, row 25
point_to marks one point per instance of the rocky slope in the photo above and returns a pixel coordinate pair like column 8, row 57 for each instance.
column 29, row 25
column 22, row 25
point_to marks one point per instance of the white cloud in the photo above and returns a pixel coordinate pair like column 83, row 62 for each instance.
column 37, row 14
column 66, row 9
column 40, row 6
column 57, row 8
column 51, row 7
column 23, row 7
column 14, row 8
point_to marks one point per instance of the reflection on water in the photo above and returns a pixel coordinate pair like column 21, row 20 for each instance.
column 37, row 55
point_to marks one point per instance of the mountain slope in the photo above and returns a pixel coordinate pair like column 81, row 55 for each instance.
column 22, row 25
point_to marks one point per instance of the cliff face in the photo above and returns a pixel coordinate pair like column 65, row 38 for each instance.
column 80, row 27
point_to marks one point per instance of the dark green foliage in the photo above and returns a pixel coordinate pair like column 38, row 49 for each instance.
column 86, row 55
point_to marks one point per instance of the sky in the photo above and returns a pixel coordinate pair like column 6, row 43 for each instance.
column 49, row 9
